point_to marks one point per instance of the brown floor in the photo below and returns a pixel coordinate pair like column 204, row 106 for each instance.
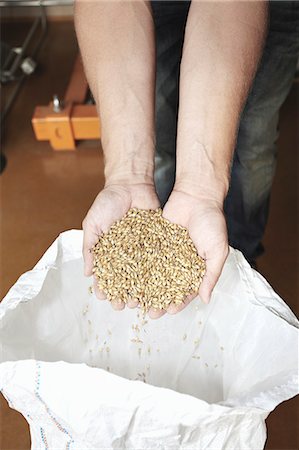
column 44, row 193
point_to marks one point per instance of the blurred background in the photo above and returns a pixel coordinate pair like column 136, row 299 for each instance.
column 52, row 168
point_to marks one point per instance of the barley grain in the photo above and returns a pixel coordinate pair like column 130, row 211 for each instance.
column 146, row 257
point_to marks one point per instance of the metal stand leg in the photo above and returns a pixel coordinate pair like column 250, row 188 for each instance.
column 16, row 68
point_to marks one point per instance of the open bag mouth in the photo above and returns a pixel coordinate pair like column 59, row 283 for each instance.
column 222, row 367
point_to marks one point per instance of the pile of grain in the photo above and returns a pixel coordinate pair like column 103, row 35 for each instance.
column 147, row 258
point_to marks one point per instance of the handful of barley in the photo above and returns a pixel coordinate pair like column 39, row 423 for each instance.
column 147, row 258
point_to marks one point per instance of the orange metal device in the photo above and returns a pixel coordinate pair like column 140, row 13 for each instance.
column 73, row 121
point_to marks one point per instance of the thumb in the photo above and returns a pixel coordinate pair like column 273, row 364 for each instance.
column 214, row 268
column 89, row 240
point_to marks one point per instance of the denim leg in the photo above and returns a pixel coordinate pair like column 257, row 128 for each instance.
column 170, row 19
column 247, row 203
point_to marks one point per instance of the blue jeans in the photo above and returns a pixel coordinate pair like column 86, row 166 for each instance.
column 247, row 203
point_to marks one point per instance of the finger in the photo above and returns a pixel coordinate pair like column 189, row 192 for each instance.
column 89, row 240
column 213, row 271
column 155, row 313
column 117, row 305
column 132, row 303
column 174, row 309
column 99, row 294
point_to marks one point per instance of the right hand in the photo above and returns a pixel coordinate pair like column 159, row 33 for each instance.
column 110, row 205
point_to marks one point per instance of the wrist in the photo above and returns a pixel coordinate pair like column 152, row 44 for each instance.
column 204, row 172
column 129, row 178
column 130, row 172
column 129, row 160
column 211, row 190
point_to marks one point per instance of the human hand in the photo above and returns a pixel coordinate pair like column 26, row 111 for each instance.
column 111, row 204
column 205, row 222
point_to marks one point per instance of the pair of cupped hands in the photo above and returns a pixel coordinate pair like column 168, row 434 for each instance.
column 203, row 218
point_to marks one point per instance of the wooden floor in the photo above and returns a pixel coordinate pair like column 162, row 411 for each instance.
column 44, row 193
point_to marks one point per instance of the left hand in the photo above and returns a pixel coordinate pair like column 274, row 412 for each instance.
column 205, row 221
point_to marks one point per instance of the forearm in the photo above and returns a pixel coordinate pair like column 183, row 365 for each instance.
column 222, row 47
column 116, row 40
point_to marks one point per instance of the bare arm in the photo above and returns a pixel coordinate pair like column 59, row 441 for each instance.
column 116, row 39
column 222, row 47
